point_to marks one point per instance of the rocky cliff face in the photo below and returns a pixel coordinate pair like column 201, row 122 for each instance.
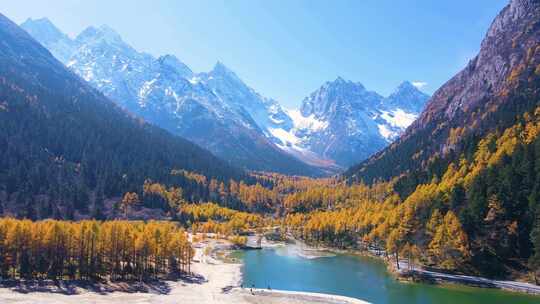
column 496, row 85
column 504, row 47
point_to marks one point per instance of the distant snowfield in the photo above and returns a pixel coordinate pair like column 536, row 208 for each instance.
column 395, row 122
column 306, row 125
column 287, row 138
column 290, row 142
column 390, row 124
column 386, row 133
column 303, row 124
column 306, row 122
column 399, row 118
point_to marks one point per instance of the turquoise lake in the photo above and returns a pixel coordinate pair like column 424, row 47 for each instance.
column 365, row 278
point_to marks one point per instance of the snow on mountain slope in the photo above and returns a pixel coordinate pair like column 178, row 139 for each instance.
column 215, row 110
column 344, row 122
column 267, row 113
column 59, row 44
column 310, row 122
column 339, row 124
column 398, row 118
column 393, row 122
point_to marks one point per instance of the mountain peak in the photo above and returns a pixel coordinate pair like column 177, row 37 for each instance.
column 87, row 34
column 102, row 33
column 171, row 62
column 409, row 87
column 44, row 22
column 44, row 29
column 516, row 10
column 339, row 79
column 342, row 84
column 221, row 70
column 407, row 97
column 406, row 85
column 48, row 35
column 107, row 30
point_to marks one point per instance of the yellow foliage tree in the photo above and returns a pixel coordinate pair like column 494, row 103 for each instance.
column 449, row 247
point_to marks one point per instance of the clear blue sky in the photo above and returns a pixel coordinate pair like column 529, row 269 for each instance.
column 285, row 49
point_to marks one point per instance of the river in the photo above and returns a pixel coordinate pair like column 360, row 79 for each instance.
column 365, row 278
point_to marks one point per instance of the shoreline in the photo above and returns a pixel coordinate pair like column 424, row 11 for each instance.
column 216, row 282
column 434, row 277
column 296, row 296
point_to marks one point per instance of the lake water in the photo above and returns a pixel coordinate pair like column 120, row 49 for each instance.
column 364, row 278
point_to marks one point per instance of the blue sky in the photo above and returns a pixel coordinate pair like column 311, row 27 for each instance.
column 285, row 49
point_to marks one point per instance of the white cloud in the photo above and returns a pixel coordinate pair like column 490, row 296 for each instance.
column 419, row 84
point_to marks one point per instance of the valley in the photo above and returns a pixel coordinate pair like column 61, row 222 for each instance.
column 130, row 177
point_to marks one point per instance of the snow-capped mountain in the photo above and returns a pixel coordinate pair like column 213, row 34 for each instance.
column 58, row 43
column 407, row 97
column 215, row 110
column 336, row 126
column 267, row 113
column 344, row 122
column 397, row 111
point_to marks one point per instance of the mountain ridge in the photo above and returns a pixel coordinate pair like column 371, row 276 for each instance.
column 470, row 103
column 65, row 147
column 165, row 91
column 218, row 111
column 344, row 121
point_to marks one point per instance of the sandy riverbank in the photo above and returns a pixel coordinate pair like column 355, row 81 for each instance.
column 292, row 297
column 213, row 277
